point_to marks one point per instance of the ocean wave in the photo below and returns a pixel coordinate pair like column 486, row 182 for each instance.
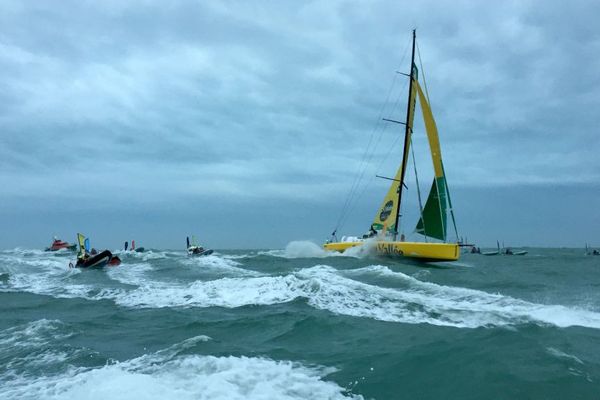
column 410, row 300
column 308, row 249
column 32, row 334
column 220, row 264
column 146, row 255
column 326, row 288
column 170, row 374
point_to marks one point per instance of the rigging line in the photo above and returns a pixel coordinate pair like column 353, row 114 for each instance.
column 360, row 170
column 450, row 202
column 369, row 183
column 353, row 202
column 357, row 182
column 423, row 75
column 412, row 150
column 358, row 177
column 387, row 156
column 356, row 192
column 397, row 136
column 363, row 165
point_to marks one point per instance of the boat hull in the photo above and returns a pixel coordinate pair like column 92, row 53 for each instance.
column 99, row 260
column 417, row 250
column 207, row 252
column 70, row 247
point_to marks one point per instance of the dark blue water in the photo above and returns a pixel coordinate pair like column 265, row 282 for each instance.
column 298, row 324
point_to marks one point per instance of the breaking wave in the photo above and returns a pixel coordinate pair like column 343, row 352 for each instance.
column 308, row 249
column 323, row 287
column 166, row 374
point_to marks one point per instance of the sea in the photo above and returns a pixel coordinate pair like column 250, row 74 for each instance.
column 299, row 323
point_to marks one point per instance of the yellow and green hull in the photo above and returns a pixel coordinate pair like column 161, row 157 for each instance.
column 418, row 250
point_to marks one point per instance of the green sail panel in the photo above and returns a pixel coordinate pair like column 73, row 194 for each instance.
column 433, row 220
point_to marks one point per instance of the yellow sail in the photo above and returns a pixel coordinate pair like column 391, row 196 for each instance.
column 81, row 240
column 386, row 215
column 432, row 133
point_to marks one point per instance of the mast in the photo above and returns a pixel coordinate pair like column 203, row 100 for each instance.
column 406, row 135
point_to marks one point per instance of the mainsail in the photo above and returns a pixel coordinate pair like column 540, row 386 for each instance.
column 385, row 219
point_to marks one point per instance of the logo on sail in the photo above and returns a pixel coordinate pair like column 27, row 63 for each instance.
column 386, row 210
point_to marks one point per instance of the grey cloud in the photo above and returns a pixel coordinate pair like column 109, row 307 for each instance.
column 158, row 103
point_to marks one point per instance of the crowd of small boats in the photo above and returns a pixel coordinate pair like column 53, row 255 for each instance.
column 507, row 251
column 89, row 257
column 511, row 252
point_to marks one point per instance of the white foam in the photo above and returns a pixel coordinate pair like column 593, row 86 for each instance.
column 169, row 375
column 32, row 334
column 225, row 292
column 240, row 256
column 301, row 249
column 220, row 264
column 131, row 274
column 472, row 308
column 561, row 354
column 308, row 249
column 410, row 300
column 145, row 255
column 328, row 289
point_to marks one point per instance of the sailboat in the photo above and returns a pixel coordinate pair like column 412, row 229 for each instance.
column 433, row 217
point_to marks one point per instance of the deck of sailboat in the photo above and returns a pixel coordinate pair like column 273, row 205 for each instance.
column 418, row 250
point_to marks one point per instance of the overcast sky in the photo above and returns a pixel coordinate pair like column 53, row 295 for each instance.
column 246, row 122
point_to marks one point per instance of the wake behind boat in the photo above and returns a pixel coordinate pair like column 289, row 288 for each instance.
column 433, row 216
column 87, row 258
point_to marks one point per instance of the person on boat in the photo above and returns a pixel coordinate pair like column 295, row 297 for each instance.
column 508, row 251
column 372, row 233
column 126, row 245
column 333, row 236
column 402, row 237
column 596, row 253
column 198, row 250
column 93, row 252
